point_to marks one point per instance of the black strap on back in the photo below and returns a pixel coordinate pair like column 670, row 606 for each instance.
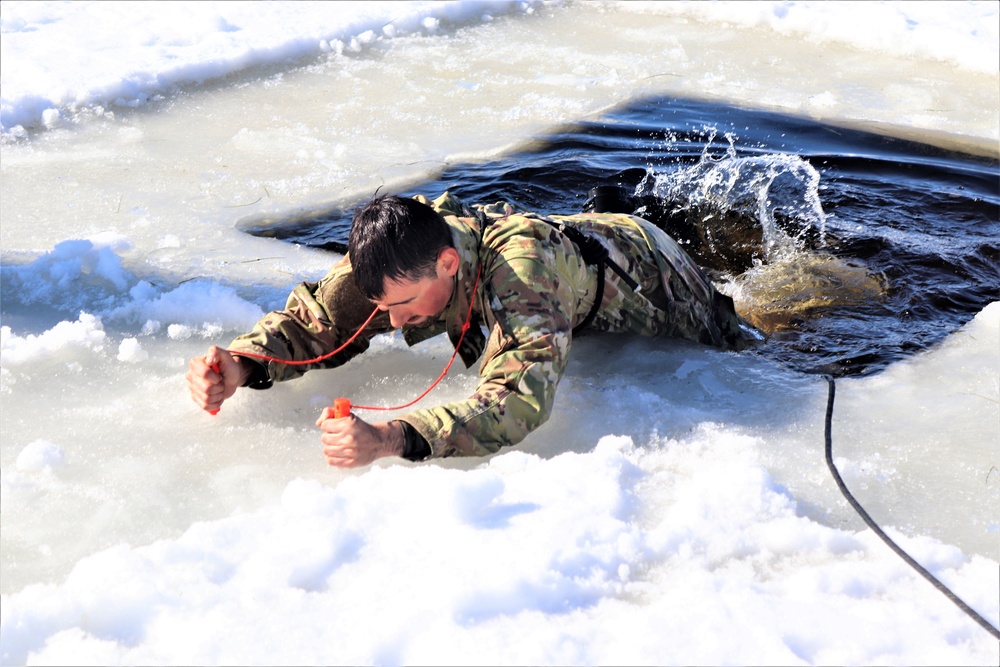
column 593, row 252
column 596, row 254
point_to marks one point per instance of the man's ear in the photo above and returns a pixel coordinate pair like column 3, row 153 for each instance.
column 448, row 262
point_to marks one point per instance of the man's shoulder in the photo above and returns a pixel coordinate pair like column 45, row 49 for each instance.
column 519, row 233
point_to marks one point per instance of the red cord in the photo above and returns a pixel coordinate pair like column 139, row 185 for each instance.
column 465, row 327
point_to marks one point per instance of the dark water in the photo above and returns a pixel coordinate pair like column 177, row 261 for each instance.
column 903, row 238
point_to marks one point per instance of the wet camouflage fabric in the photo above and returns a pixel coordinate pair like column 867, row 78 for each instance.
column 534, row 288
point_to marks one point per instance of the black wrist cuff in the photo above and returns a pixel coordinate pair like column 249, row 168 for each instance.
column 415, row 448
column 258, row 377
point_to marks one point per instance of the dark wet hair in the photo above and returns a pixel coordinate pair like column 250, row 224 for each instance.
column 395, row 238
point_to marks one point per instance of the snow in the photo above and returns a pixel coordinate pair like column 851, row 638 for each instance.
column 676, row 509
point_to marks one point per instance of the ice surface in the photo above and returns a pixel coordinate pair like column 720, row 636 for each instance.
column 676, row 508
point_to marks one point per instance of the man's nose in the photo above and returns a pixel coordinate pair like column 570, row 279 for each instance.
column 397, row 318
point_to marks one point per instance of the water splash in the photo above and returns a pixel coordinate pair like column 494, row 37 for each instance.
column 773, row 198
column 758, row 225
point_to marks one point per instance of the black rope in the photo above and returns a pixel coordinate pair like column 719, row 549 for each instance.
column 878, row 531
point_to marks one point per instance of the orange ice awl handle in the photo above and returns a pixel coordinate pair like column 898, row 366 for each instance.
column 341, row 408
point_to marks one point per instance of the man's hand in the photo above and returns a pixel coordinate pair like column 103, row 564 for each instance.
column 350, row 442
column 210, row 388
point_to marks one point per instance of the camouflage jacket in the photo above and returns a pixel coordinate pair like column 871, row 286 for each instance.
column 534, row 287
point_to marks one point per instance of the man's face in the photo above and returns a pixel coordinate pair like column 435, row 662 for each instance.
column 418, row 302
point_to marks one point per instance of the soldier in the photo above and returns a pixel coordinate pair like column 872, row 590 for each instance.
column 533, row 283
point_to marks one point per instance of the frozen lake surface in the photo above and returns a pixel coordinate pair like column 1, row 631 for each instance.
column 675, row 509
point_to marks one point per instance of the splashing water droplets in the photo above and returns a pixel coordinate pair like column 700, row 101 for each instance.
column 779, row 192
column 757, row 224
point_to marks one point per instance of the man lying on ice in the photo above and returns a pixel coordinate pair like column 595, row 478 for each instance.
column 532, row 282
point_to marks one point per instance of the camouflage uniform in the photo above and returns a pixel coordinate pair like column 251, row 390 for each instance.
column 534, row 288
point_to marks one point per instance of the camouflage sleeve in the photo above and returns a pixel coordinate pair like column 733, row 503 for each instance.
column 318, row 318
column 525, row 358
